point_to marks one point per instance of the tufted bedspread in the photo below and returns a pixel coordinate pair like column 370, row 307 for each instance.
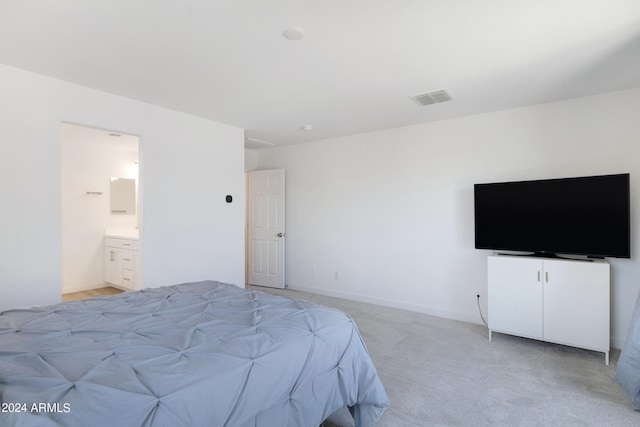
column 196, row 354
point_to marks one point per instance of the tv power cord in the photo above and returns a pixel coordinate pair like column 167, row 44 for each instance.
column 480, row 310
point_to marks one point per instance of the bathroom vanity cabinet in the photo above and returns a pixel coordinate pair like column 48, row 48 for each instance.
column 122, row 262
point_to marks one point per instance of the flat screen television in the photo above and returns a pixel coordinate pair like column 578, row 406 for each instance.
column 576, row 216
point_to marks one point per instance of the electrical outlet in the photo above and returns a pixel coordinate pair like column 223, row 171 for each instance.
column 336, row 275
column 477, row 294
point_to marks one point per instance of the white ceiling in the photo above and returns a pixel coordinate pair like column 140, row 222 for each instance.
column 355, row 69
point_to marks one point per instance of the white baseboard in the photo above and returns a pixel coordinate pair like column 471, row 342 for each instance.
column 69, row 290
column 447, row 314
column 616, row 342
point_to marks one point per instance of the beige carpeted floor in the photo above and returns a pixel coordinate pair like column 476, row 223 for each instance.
column 440, row 372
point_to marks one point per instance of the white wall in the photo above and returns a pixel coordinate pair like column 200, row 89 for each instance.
column 392, row 211
column 250, row 159
column 187, row 166
column 88, row 165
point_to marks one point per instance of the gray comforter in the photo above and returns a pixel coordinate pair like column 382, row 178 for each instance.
column 198, row 354
column 628, row 369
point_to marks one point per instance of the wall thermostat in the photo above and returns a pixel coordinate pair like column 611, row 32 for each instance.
column 229, row 199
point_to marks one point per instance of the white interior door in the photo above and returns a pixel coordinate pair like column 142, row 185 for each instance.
column 266, row 229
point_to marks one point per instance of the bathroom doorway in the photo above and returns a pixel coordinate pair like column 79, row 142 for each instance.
column 90, row 159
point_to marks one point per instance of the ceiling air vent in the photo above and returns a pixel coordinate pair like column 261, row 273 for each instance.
column 434, row 97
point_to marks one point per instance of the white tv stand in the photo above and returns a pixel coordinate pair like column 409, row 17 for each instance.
column 555, row 300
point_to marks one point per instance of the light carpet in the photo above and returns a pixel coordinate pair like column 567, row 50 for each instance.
column 440, row 372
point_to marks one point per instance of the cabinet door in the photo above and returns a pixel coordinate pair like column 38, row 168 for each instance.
column 515, row 295
column 576, row 303
column 113, row 265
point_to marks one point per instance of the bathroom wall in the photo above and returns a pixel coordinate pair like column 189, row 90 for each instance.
column 89, row 158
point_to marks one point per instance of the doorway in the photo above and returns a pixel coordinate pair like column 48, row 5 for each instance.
column 90, row 158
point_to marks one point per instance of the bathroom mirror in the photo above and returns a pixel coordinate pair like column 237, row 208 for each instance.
column 123, row 195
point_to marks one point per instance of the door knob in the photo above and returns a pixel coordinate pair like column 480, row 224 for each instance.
column 279, row 234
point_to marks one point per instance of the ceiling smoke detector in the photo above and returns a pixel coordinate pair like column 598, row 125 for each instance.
column 430, row 98
column 293, row 33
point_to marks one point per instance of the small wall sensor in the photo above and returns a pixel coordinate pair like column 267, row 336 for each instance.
column 229, row 199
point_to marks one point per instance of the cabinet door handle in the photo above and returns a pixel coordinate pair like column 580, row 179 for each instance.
column 111, row 257
column 546, row 276
column 538, row 275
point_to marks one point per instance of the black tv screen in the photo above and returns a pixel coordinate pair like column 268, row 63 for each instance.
column 579, row 216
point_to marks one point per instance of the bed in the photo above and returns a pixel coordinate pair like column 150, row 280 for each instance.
column 196, row 354
column 628, row 368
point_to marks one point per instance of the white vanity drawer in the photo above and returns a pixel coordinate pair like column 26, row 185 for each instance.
column 127, row 259
column 118, row 243
column 127, row 278
column 126, row 244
